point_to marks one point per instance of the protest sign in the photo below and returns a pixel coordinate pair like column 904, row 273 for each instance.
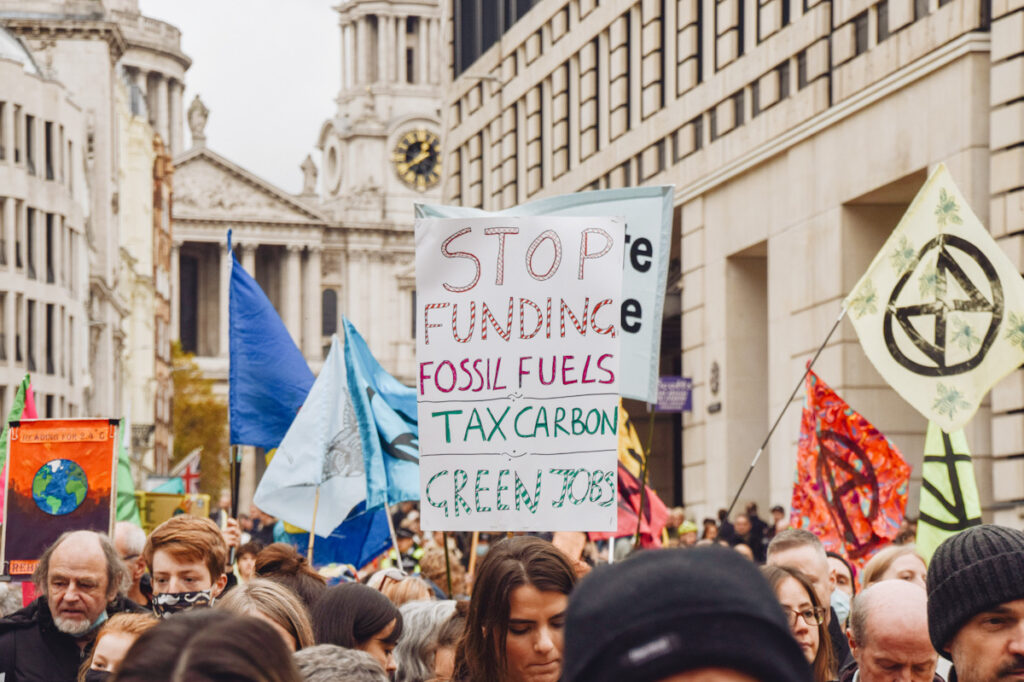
column 517, row 349
column 647, row 243
column 60, row 477
column 155, row 508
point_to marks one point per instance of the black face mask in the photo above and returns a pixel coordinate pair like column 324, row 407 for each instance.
column 96, row 675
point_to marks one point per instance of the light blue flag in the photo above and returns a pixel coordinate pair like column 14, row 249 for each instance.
column 386, row 410
column 322, row 450
column 268, row 378
column 648, row 214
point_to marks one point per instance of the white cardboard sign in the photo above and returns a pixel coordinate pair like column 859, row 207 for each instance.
column 517, row 349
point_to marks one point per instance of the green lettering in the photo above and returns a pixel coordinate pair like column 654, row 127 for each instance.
column 478, row 425
column 477, row 489
column 447, row 425
column 523, row 495
column 461, row 479
column 499, row 488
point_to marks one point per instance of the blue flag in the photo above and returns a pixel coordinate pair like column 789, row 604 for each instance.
column 269, row 378
column 362, row 538
column 386, row 411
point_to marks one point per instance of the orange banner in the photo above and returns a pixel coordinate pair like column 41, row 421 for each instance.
column 61, row 476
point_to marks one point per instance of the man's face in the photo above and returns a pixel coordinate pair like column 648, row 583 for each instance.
column 894, row 652
column 742, row 525
column 990, row 646
column 77, row 589
column 172, row 575
column 811, row 562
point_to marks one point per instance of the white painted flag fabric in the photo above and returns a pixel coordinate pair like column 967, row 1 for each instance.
column 940, row 311
column 322, row 448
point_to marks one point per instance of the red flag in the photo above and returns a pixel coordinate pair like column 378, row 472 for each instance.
column 851, row 483
column 655, row 512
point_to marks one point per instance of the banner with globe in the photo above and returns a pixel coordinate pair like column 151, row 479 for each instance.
column 61, row 476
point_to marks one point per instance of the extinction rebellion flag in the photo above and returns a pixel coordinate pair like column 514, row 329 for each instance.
column 940, row 311
column 851, row 483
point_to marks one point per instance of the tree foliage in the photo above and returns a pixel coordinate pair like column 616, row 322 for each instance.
column 200, row 421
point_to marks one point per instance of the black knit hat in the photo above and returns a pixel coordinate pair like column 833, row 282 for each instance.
column 970, row 572
column 664, row 612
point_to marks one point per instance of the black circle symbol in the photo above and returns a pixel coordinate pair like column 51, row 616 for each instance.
column 976, row 302
column 845, row 470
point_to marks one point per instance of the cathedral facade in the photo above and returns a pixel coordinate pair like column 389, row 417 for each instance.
column 344, row 245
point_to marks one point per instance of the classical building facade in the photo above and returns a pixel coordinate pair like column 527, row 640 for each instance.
column 796, row 134
column 124, row 74
column 344, row 245
column 44, row 269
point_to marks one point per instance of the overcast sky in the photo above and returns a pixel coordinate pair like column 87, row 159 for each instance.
column 268, row 70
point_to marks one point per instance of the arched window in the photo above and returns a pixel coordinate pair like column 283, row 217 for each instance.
column 329, row 312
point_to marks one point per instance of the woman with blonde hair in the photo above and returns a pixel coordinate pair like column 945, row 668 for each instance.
column 275, row 604
column 113, row 641
column 895, row 562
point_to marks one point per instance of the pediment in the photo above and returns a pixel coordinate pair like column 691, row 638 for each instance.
column 208, row 187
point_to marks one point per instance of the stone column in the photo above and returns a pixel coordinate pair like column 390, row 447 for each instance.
column 434, row 39
column 10, row 234
column 175, row 331
column 422, row 60
column 400, row 72
column 382, row 48
column 361, row 52
column 249, row 258
column 313, row 324
column 225, row 288
column 174, row 142
column 161, row 104
column 291, row 306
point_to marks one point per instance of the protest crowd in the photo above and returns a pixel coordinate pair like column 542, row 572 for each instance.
column 748, row 600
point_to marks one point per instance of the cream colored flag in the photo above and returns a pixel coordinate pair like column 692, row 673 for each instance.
column 940, row 311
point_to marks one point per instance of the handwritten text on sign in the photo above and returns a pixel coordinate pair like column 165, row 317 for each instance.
column 517, row 349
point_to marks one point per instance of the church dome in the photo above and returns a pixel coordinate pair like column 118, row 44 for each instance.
column 13, row 49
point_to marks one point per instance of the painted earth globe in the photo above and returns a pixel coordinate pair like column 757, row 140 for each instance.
column 59, row 487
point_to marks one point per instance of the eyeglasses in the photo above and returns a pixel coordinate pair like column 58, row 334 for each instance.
column 813, row 616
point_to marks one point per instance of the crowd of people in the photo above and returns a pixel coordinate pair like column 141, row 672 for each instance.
column 172, row 607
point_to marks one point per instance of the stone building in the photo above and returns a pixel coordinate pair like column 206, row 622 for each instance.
column 44, row 271
column 795, row 133
column 344, row 245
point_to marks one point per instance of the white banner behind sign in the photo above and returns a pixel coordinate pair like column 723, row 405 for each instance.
column 648, row 214
column 517, row 349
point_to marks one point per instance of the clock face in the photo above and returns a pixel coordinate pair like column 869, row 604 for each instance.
column 417, row 159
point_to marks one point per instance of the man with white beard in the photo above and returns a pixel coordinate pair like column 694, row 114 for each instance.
column 80, row 580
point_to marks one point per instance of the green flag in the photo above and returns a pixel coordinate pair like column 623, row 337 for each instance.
column 949, row 494
column 127, row 507
column 17, row 407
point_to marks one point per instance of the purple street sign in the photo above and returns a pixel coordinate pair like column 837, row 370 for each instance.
column 675, row 394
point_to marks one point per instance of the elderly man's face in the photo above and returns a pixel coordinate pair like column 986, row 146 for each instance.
column 77, row 588
column 991, row 645
column 812, row 563
column 893, row 651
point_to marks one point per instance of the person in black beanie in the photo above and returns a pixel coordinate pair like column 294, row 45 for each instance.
column 976, row 603
column 665, row 612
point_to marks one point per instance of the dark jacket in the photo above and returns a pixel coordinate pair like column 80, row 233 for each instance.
column 32, row 649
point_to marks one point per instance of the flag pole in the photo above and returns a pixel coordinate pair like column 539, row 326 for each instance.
column 643, row 477
column 448, row 565
column 764, row 444
column 394, row 535
column 312, row 527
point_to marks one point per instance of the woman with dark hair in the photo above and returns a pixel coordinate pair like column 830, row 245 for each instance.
column 806, row 617
column 515, row 627
column 208, row 645
column 281, row 563
column 358, row 617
